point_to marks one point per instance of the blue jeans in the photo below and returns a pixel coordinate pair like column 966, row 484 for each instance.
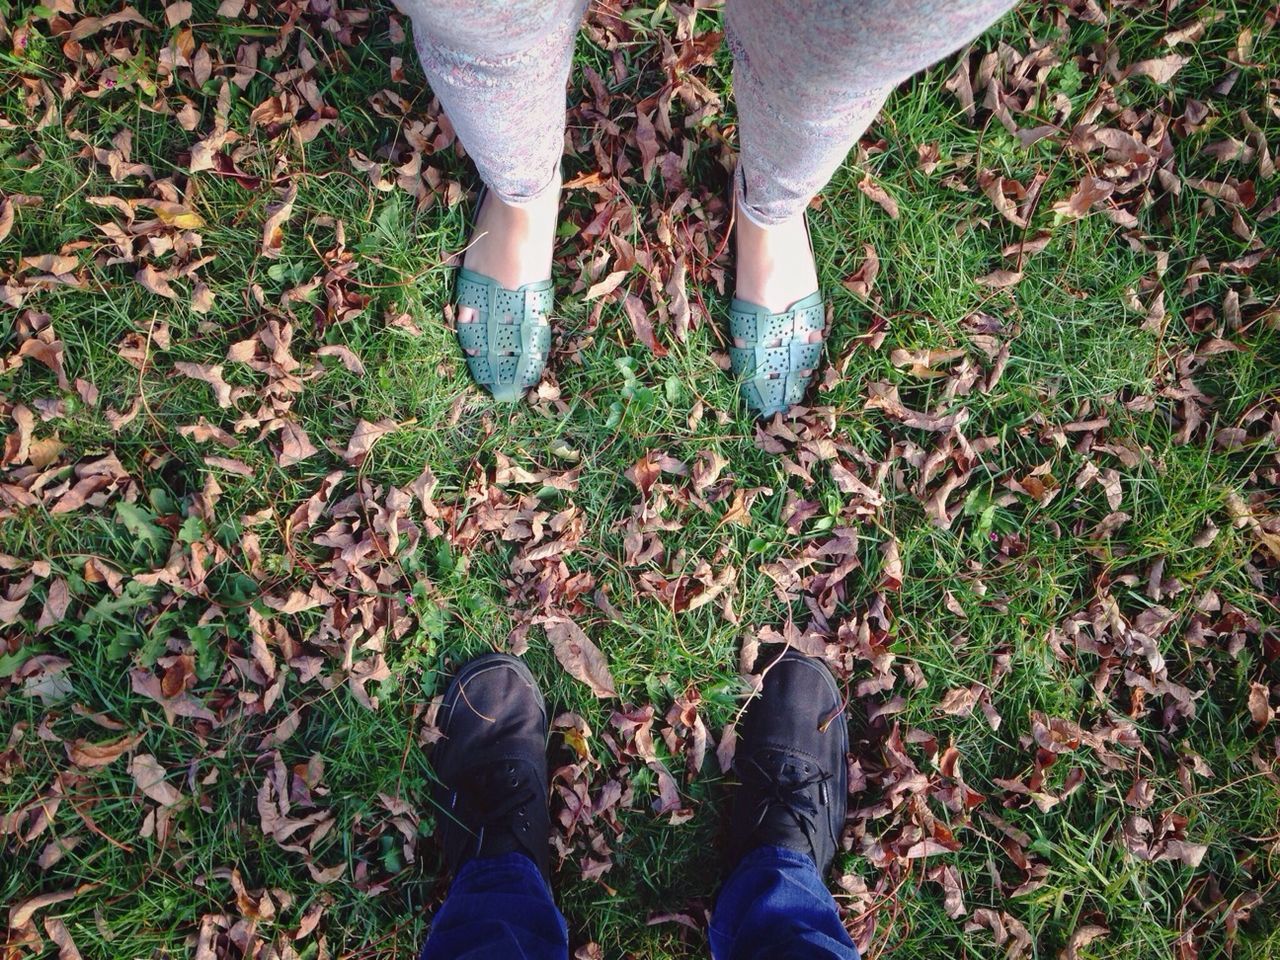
column 774, row 905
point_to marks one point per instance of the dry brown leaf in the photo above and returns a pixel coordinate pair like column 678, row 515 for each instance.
column 879, row 195
column 1082, row 937
column 1260, row 704
column 295, row 445
column 156, row 282
column 606, row 286
column 958, row 702
column 88, row 26
column 210, row 373
column 6, row 217
column 56, row 604
column 579, row 656
column 50, row 263
column 90, row 755
column 273, row 227
column 201, row 297
column 61, row 936
column 150, row 779
column 176, row 13
column 20, row 914
column 999, row 279
column 1160, row 69
column 642, row 324
column 346, row 355
column 45, row 451
column 365, row 436
column 50, row 354
column 229, row 464
column 1089, row 191
column 863, row 280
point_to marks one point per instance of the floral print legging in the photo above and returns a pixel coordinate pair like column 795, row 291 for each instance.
column 809, row 76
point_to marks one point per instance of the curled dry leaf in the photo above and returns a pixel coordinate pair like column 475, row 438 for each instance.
column 20, row 914
column 880, row 195
column 210, row 373
column 1088, row 192
column 999, row 279
column 273, row 227
column 861, row 282
column 365, row 436
column 1083, row 936
column 156, row 282
column 1160, row 69
column 295, row 445
column 1260, row 704
column 642, row 324
column 346, row 355
column 60, row 935
column 89, row 755
column 6, row 217
column 579, row 655
column 150, row 778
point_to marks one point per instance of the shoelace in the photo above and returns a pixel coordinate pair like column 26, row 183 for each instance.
column 792, row 799
column 495, row 797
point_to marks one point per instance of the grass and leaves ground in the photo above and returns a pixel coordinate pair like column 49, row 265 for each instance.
column 252, row 512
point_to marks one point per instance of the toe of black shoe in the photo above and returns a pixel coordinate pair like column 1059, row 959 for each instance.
column 492, row 708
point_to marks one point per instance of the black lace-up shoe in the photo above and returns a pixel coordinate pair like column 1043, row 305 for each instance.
column 492, row 764
column 791, row 761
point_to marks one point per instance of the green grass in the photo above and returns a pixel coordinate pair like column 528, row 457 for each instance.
column 1009, row 581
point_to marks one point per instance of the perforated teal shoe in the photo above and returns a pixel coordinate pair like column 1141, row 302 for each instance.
column 508, row 343
column 775, row 354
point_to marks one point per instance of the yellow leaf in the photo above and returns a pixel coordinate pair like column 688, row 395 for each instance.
column 176, row 215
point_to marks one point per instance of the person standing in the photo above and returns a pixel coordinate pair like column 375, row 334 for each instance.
column 809, row 76
column 495, row 825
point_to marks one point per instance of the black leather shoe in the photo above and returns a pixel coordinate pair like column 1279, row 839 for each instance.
column 791, row 761
column 492, row 764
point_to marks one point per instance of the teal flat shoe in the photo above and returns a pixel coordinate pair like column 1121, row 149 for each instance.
column 507, row 344
column 776, row 361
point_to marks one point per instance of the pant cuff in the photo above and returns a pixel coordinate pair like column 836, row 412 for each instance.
column 747, row 211
column 552, row 185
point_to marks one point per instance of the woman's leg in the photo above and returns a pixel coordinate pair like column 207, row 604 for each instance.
column 499, row 68
column 809, row 77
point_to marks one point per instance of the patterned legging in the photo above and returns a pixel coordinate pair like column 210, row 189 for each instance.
column 809, row 77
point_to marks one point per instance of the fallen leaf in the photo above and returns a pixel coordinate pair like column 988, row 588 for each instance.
column 295, row 445
column 1260, row 704
column 210, row 374
column 579, row 656
column 20, row 914
column 638, row 314
column 61, row 936
column 999, row 279
column 879, row 195
column 365, row 436
column 1160, row 69
column 156, row 282
column 345, row 355
column 150, row 778
column 90, row 755
column 273, row 226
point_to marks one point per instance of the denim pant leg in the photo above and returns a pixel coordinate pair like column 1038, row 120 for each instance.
column 498, row 908
column 776, row 905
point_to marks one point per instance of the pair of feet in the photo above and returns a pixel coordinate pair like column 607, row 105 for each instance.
column 514, row 246
column 492, row 764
